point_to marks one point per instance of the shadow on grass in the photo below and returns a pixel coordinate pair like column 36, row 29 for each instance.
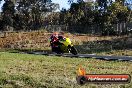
column 24, row 50
column 90, row 47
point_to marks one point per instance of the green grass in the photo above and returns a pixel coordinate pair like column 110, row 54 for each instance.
column 39, row 71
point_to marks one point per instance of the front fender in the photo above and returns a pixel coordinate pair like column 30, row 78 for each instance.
column 67, row 42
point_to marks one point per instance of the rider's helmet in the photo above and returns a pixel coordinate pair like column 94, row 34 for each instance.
column 56, row 34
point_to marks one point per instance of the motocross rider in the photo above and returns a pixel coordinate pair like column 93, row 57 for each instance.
column 54, row 41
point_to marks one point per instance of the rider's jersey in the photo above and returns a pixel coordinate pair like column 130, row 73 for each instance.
column 53, row 39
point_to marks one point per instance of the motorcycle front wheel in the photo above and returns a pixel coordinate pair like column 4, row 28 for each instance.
column 73, row 50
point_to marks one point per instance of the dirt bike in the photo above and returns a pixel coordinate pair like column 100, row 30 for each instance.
column 66, row 46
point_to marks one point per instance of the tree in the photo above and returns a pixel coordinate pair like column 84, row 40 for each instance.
column 8, row 11
column 103, row 4
column 118, row 15
column 31, row 11
column 121, row 2
column 27, row 14
column 79, row 14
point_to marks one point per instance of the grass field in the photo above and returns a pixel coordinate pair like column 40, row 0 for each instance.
column 39, row 71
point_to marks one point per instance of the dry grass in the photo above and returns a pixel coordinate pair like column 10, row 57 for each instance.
column 22, row 40
column 38, row 40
